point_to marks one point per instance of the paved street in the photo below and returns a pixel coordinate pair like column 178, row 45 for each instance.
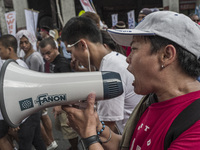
column 62, row 144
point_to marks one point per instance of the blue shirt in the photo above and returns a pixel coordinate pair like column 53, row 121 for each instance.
column 64, row 50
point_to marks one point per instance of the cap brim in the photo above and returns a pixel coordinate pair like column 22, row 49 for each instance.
column 124, row 37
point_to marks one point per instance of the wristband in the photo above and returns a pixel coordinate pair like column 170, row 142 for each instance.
column 109, row 138
column 86, row 142
column 103, row 127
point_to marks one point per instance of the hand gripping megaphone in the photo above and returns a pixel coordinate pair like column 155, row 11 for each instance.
column 24, row 92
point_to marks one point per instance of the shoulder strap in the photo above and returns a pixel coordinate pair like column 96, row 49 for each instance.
column 182, row 122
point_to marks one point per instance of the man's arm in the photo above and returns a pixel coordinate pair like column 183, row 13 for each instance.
column 112, row 126
column 86, row 123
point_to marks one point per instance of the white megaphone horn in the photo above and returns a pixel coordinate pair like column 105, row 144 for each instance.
column 24, row 92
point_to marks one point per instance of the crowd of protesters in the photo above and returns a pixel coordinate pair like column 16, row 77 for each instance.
column 166, row 77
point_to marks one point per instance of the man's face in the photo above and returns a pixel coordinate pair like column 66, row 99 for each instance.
column 143, row 65
column 25, row 45
column 79, row 52
column 43, row 33
column 49, row 53
column 4, row 52
column 195, row 18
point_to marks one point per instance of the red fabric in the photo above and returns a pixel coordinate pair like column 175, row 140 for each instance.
column 43, row 30
column 47, row 65
column 153, row 126
column 127, row 49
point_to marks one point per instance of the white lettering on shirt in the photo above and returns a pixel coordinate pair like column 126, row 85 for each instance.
column 148, row 142
column 138, row 147
column 146, row 128
column 132, row 145
column 140, row 126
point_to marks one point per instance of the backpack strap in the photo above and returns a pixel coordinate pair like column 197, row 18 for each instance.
column 182, row 122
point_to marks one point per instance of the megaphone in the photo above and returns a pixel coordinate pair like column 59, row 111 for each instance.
column 24, row 92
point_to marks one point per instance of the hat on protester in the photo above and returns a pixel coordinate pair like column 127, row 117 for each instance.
column 145, row 11
column 120, row 25
column 155, row 9
column 52, row 33
column 167, row 24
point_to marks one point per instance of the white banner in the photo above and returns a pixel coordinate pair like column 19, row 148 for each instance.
column 131, row 19
column 31, row 20
column 87, row 6
column 11, row 22
column 114, row 19
column 197, row 10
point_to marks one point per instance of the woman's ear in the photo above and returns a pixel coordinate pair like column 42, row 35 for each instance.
column 168, row 55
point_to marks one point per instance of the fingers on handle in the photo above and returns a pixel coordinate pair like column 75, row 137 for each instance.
column 68, row 109
column 91, row 100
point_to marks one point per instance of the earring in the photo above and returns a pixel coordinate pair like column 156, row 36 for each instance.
column 162, row 66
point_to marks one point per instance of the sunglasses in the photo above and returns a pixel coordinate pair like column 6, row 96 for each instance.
column 71, row 45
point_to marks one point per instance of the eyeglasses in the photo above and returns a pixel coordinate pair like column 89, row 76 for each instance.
column 71, row 45
column 196, row 20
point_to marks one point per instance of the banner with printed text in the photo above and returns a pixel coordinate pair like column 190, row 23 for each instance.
column 11, row 22
column 131, row 19
column 114, row 19
column 87, row 6
column 31, row 20
column 197, row 10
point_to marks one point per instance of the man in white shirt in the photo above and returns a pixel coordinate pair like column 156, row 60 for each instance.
column 84, row 40
column 8, row 50
column 1, row 63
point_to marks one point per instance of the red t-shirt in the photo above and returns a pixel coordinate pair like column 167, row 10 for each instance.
column 153, row 125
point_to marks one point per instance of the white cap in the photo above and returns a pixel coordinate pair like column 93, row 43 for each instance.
column 52, row 33
column 167, row 24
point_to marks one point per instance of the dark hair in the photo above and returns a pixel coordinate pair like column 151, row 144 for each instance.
column 59, row 39
column 186, row 60
column 9, row 40
column 46, row 28
column 95, row 17
column 39, row 38
column 192, row 14
column 47, row 41
column 81, row 27
column 111, row 43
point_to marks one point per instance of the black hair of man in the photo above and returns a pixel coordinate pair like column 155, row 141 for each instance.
column 59, row 39
column 192, row 14
column 39, row 38
column 47, row 41
column 46, row 28
column 9, row 40
column 94, row 16
column 111, row 43
column 81, row 27
column 108, row 40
